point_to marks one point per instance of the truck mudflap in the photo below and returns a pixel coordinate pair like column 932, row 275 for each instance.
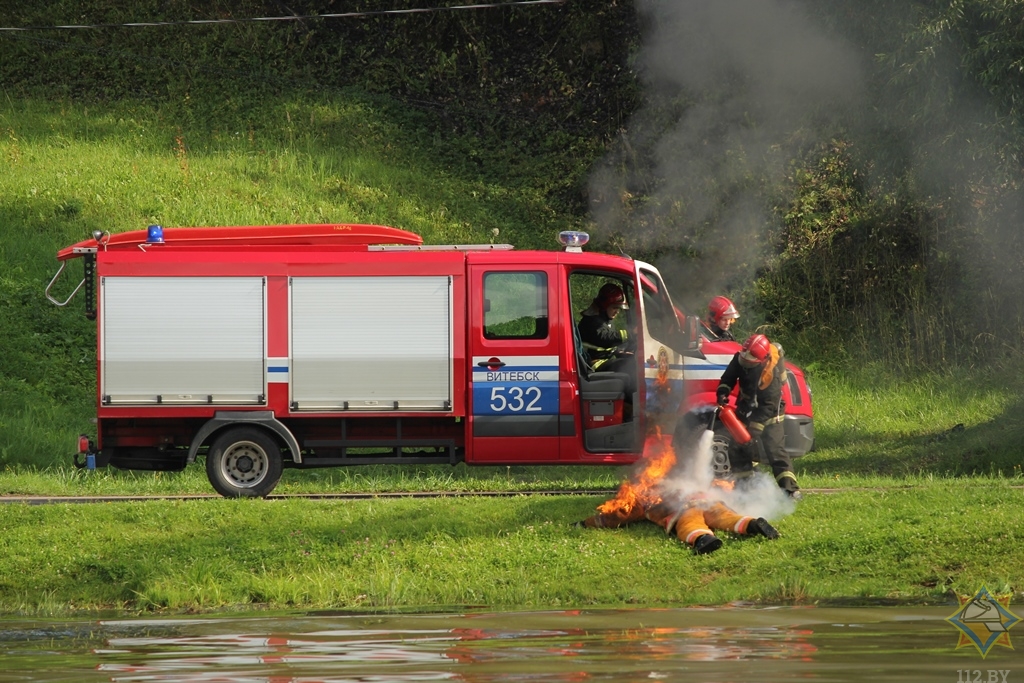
column 225, row 418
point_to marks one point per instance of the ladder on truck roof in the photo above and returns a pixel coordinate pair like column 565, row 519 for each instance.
column 243, row 236
column 372, row 237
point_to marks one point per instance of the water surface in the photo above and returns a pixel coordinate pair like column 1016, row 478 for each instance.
column 724, row 644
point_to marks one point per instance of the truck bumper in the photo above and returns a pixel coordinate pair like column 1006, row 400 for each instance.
column 799, row 435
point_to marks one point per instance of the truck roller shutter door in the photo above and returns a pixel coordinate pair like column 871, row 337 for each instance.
column 371, row 343
column 183, row 340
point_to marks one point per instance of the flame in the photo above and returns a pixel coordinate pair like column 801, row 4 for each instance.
column 642, row 488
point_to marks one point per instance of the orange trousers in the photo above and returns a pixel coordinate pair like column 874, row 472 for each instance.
column 694, row 518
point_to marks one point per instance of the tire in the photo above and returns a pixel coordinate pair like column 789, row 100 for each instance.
column 244, row 462
column 690, row 428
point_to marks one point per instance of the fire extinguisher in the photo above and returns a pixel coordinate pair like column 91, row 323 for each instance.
column 727, row 414
column 739, row 433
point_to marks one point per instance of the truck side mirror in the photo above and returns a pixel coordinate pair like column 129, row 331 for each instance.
column 688, row 340
column 695, row 341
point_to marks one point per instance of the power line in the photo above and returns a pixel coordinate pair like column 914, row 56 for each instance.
column 339, row 15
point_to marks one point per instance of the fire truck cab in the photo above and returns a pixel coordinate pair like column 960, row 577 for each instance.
column 264, row 347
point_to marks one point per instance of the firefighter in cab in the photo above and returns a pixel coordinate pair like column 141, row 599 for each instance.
column 759, row 370
column 721, row 314
column 608, row 348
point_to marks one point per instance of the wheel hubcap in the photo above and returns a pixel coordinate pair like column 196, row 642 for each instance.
column 244, row 464
column 720, row 458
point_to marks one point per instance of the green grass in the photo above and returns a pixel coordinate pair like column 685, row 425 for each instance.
column 874, row 427
column 910, row 545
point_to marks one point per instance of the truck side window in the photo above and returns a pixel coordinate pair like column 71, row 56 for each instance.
column 517, row 305
column 657, row 317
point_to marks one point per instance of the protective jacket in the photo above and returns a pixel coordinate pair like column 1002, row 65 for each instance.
column 600, row 338
column 761, row 408
column 718, row 334
column 760, row 400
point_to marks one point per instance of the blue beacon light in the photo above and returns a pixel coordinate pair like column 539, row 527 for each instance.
column 155, row 234
column 573, row 240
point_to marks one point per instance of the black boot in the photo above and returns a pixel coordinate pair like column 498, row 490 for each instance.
column 708, row 543
column 787, row 482
column 761, row 527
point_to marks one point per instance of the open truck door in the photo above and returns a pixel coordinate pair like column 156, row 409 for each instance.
column 515, row 356
column 609, row 401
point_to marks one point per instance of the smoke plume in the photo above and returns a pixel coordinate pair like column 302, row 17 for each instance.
column 728, row 86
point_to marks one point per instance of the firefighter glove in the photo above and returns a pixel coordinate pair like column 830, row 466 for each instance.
column 723, row 398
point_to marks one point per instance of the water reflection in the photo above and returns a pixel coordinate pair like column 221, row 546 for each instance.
column 722, row 645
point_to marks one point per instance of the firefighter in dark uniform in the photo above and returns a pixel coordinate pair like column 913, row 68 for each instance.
column 608, row 349
column 760, row 371
column 721, row 314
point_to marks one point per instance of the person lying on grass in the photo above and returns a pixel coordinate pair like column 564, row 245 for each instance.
column 692, row 519
column 685, row 499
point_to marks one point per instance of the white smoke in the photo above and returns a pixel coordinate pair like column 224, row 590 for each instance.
column 694, row 476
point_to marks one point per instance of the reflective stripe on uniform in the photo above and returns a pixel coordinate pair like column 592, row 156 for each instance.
column 692, row 537
column 672, row 521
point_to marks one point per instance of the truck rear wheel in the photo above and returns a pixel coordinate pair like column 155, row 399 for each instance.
column 244, row 462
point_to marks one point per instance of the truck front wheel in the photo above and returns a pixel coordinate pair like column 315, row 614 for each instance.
column 244, row 462
column 720, row 462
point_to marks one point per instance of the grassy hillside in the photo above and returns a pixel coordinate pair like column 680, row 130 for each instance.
column 71, row 168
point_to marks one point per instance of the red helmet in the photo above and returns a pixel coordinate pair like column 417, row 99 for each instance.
column 755, row 350
column 720, row 308
column 611, row 294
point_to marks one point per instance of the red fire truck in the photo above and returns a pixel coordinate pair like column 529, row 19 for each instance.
column 264, row 347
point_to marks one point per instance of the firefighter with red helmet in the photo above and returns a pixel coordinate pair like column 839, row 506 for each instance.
column 608, row 348
column 721, row 314
column 760, row 371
